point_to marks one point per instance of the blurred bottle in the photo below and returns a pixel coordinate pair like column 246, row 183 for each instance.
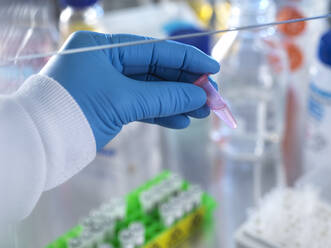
column 212, row 13
column 318, row 140
column 222, row 11
column 203, row 10
column 253, row 80
column 299, row 41
column 25, row 28
column 302, row 33
column 80, row 15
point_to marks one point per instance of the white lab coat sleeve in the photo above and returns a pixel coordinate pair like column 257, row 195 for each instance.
column 44, row 140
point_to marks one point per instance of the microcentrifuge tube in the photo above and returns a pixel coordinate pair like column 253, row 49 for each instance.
column 75, row 243
column 116, row 207
column 97, row 217
column 175, row 182
column 186, row 201
column 215, row 102
column 167, row 187
column 146, row 200
column 105, row 245
column 87, row 238
column 138, row 232
column 156, row 192
column 109, row 230
column 196, row 193
column 178, row 210
column 126, row 239
column 87, row 222
column 97, row 232
column 167, row 214
column 163, row 190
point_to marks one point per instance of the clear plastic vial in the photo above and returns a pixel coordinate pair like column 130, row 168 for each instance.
column 75, row 243
column 187, row 202
column 87, row 239
column 105, row 246
column 108, row 230
column 177, row 208
column 138, row 232
column 126, row 239
column 87, row 223
column 175, row 183
column 97, row 232
column 147, row 200
column 167, row 214
column 80, row 15
column 120, row 208
column 195, row 193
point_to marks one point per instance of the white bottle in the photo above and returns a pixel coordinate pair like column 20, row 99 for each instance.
column 318, row 140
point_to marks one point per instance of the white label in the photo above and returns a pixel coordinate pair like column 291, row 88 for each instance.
column 318, row 145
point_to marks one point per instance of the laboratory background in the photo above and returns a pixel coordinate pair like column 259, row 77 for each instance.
column 265, row 184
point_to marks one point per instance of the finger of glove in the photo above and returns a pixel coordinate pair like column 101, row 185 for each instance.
column 166, row 74
column 145, row 77
column 175, row 122
column 169, row 74
column 168, row 54
column 200, row 113
column 162, row 99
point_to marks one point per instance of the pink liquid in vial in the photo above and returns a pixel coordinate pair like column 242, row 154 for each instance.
column 215, row 102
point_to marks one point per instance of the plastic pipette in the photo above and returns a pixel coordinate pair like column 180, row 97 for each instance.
column 141, row 42
column 215, row 102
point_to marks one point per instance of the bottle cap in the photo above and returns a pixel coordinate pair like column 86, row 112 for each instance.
column 324, row 52
column 181, row 28
column 80, row 3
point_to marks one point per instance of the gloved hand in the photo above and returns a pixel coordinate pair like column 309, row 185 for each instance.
column 150, row 83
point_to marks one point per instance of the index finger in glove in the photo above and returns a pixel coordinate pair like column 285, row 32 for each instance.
column 167, row 54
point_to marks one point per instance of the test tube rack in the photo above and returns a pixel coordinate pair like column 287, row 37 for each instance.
column 158, row 232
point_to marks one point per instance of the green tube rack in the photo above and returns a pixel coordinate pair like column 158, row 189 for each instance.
column 156, row 235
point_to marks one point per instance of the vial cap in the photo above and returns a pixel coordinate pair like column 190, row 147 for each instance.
column 80, row 3
column 324, row 52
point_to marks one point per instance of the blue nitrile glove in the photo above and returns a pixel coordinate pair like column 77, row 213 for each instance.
column 150, row 83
